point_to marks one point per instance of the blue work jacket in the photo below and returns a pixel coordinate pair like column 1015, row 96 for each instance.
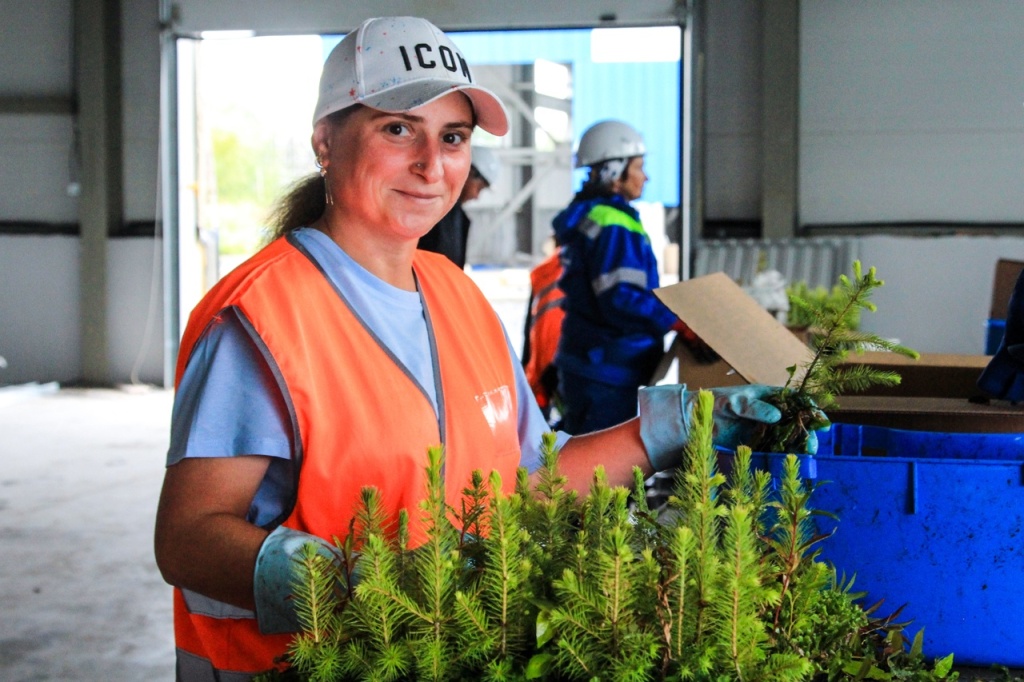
column 614, row 325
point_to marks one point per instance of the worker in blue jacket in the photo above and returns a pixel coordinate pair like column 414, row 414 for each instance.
column 614, row 327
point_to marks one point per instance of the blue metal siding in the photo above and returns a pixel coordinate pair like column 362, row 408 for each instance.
column 645, row 95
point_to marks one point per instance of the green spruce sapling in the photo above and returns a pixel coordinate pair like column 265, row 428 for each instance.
column 812, row 388
column 804, row 300
column 556, row 587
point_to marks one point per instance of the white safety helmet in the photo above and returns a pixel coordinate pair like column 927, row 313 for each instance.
column 608, row 140
column 487, row 164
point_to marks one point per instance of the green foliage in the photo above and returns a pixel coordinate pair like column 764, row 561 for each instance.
column 813, row 387
column 248, row 177
column 538, row 584
column 245, row 171
column 804, row 301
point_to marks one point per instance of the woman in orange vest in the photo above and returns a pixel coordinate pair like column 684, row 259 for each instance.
column 334, row 357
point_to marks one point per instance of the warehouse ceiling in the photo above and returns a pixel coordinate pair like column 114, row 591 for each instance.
column 270, row 17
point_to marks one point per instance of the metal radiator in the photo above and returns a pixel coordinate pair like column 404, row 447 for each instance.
column 817, row 261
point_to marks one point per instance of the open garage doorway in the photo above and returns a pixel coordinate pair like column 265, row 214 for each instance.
column 244, row 108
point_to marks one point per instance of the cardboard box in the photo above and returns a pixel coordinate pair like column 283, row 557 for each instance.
column 1003, row 284
column 944, row 415
column 1006, row 275
column 943, row 375
column 755, row 348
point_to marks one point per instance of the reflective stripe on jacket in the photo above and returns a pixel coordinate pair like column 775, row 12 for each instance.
column 359, row 417
column 545, row 325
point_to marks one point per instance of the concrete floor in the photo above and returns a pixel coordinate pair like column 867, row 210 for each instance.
column 80, row 594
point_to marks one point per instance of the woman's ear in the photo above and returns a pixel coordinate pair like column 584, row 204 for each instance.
column 321, row 141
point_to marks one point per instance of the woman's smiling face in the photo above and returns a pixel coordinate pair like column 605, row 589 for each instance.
column 399, row 171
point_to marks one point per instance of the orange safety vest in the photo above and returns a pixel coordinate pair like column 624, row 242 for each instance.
column 359, row 419
column 545, row 324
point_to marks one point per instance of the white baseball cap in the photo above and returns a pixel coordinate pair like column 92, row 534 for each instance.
column 397, row 64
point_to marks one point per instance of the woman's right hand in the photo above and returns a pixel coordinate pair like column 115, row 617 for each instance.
column 665, row 418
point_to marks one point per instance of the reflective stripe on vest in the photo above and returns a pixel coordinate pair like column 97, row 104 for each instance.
column 545, row 324
column 191, row 668
column 361, row 419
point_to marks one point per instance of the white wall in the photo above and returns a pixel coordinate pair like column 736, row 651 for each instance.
column 950, row 152
column 732, row 187
column 911, row 111
column 36, row 149
column 135, row 318
column 937, row 291
column 280, row 16
column 140, row 99
column 40, row 309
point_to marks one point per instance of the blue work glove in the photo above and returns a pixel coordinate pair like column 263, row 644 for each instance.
column 665, row 418
column 274, row 575
column 812, row 441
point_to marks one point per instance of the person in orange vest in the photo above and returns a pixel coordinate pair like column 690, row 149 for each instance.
column 335, row 356
column 541, row 332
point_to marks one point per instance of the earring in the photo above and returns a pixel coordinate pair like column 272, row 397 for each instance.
column 328, row 199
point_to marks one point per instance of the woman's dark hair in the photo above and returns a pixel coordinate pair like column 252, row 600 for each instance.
column 300, row 206
column 593, row 188
column 304, row 202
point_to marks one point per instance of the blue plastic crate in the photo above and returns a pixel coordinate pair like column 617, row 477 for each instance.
column 937, row 523
column 857, row 440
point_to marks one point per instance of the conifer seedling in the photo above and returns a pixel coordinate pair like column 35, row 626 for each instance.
column 811, row 389
column 544, row 584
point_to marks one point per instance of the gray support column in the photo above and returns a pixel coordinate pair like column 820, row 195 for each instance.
column 98, row 89
column 168, row 217
column 693, row 113
column 780, row 119
column 525, row 217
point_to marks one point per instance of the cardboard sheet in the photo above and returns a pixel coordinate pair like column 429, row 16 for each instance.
column 749, row 340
